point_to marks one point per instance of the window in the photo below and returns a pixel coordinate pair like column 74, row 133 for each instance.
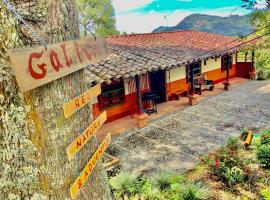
column 196, row 70
column 112, row 94
column 226, row 60
column 204, row 62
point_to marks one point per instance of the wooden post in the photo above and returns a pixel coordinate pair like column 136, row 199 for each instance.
column 252, row 74
column 138, row 88
column 192, row 97
column 227, row 83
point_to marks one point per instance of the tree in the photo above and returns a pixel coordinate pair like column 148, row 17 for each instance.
column 99, row 14
column 33, row 131
column 260, row 18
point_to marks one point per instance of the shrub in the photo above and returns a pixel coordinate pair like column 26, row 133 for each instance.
column 164, row 179
column 263, row 155
column 232, row 143
column 234, row 175
column 224, row 164
column 266, row 194
column 265, row 137
column 125, row 183
column 193, row 191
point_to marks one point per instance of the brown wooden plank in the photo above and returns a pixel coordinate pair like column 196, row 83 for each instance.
column 81, row 180
column 88, row 133
column 77, row 103
column 37, row 66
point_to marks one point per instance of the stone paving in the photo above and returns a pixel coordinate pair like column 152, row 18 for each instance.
column 175, row 141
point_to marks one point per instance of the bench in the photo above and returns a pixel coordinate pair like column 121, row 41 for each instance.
column 177, row 94
column 201, row 83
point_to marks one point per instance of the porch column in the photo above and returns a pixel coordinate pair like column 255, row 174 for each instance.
column 192, row 98
column 192, row 88
column 142, row 118
column 139, row 98
column 252, row 74
column 227, row 83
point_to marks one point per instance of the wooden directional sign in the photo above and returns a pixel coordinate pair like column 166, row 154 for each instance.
column 81, row 180
column 77, row 103
column 37, row 66
column 80, row 141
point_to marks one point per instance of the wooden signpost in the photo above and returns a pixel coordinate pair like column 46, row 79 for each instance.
column 75, row 104
column 80, row 141
column 37, row 66
column 81, row 180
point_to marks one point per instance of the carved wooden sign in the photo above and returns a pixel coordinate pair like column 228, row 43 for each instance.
column 37, row 66
column 81, row 180
column 88, row 133
column 77, row 103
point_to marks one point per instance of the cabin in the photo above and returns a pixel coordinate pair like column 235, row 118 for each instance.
column 164, row 64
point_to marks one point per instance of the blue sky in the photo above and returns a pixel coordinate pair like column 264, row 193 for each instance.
column 140, row 16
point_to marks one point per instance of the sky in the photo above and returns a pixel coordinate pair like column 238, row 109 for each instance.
column 143, row 16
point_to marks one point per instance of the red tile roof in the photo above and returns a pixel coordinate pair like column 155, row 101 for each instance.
column 184, row 38
column 139, row 53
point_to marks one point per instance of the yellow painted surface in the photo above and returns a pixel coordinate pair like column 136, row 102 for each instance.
column 77, row 103
column 176, row 74
column 80, row 141
column 81, row 180
column 211, row 64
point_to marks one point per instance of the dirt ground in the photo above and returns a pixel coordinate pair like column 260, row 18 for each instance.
column 174, row 142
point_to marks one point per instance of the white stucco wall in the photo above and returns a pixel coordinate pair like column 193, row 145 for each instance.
column 176, row 74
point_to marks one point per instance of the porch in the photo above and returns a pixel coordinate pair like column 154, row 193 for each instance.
column 126, row 123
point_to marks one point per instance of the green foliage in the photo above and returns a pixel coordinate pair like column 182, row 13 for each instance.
column 265, row 137
column 125, row 183
column 100, row 13
column 244, row 134
column 227, row 166
column 234, row 175
column 232, row 143
column 164, row 179
column 263, row 155
column 262, row 64
column 265, row 194
column 193, row 191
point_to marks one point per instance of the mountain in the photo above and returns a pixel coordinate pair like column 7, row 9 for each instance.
column 230, row 26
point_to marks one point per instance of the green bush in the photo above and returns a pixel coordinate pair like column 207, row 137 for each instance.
column 262, row 65
column 193, row 191
column 263, row 155
column 265, row 194
column 232, row 143
column 234, row 175
column 265, row 137
column 125, row 183
column 224, row 164
column 164, row 179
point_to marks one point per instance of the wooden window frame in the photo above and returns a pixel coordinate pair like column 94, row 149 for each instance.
column 112, row 95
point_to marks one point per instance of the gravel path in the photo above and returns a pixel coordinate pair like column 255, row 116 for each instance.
column 175, row 142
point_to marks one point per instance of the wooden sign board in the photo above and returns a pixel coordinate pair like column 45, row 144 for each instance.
column 80, row 141
column 77, row 103
column 81, row 180
column 37, row 66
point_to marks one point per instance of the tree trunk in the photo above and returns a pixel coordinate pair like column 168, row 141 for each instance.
column 34, row 133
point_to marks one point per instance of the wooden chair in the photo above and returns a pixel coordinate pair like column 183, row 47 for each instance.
column 201, row 83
